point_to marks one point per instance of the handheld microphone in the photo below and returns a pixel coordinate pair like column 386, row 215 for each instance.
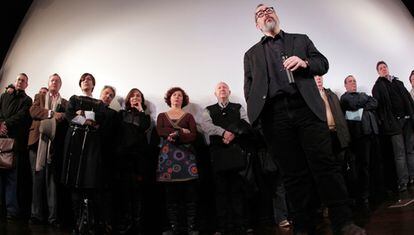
column 289, row 73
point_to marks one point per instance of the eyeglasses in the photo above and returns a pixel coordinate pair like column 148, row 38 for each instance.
column 267, row 10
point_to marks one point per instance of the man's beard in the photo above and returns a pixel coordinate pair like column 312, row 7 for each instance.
column 270, row 26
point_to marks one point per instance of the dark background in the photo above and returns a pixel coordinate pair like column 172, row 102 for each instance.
column 13, row 12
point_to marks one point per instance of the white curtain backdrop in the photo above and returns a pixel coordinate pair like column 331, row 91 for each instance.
column 156, row 44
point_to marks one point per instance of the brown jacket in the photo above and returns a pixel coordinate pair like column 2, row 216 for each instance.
column 38, row 113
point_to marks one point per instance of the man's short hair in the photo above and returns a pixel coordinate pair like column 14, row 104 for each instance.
column 110, row 87
column 347, row 78
column 23, row 74
column 255, row 18
column 381, row 62
column 55, row 75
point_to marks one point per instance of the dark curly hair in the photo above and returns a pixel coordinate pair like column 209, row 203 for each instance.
column 128, row 97
column 171, row 91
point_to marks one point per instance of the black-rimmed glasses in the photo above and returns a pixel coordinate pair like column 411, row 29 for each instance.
column 267, row 10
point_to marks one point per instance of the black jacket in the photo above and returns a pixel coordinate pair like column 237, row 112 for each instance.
column 14, row 111
column 256, row 75
column 352, row 101
column 83, row 158
column 388, row 121
column 132, row 132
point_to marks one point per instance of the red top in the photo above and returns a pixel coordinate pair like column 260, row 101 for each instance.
column 165, row 127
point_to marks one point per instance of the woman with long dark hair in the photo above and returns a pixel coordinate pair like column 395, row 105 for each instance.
column 132, row 149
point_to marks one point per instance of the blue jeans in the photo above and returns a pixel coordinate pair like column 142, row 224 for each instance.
column 8, row 188
column 403, row 148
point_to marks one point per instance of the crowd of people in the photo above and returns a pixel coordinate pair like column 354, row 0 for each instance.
column 296, row 152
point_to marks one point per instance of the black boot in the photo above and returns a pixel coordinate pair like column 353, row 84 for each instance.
column 137, row 211
column 191, row 209
column 172, row 214
column 87, row 218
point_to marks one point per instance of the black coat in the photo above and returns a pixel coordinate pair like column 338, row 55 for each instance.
column 132, row 144
column 108, row 131
column 14, row 111
column 352, row 101
column 83, row 159
column 256, row 75
column 388, row 122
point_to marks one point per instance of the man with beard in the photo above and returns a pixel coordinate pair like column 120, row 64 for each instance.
column 282, row 97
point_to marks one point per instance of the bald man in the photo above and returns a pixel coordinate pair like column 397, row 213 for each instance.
column 219, row 122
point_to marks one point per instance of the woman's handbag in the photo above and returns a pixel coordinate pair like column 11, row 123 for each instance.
column 6, row 153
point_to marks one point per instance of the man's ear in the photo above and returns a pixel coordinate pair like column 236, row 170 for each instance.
column 258, row 27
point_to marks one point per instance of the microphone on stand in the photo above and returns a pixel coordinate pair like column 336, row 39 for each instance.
column 289, row 73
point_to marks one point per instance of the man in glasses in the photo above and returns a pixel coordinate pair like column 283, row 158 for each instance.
column 282, row 97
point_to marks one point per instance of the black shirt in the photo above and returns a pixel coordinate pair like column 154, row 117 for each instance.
column 278, row 80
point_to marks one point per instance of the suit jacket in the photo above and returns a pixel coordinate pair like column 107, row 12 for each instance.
column 14, row 111
column 256, row 76
column 342, row 130
column 38, row 112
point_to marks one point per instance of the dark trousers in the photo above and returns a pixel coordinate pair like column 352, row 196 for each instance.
column 129, row 200
column 181, row 199
column 302, row 146
column 44, row 197
column 230, row 201
column 8, row 191
column 363, row 149
column 88, row 210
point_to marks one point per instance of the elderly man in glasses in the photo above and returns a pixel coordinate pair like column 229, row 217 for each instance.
column 282, row 97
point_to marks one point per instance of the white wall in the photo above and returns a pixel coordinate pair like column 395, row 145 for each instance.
column 157, row 44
